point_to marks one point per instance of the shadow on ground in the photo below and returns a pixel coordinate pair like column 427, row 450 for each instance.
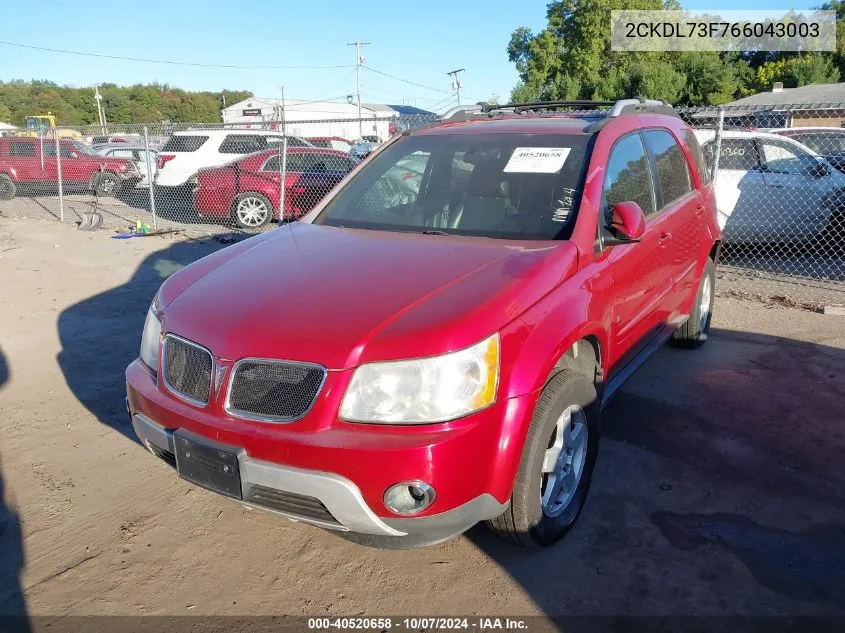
column 719, row 490
column 12, row 603
column 101, row 335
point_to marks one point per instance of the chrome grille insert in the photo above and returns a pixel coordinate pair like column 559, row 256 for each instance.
column 273, row 390
column 186, row 368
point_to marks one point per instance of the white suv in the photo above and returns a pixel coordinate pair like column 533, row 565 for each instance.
column 186, row 152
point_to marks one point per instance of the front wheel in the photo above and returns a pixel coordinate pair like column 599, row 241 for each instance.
column 557, row 463
column 252, row 211
column 693, row 333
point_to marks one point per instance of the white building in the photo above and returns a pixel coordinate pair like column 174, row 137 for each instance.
column 311, row 118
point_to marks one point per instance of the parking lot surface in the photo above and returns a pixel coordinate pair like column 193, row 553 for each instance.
column 719, row 489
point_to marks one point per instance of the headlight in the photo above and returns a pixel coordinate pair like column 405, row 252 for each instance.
column 151, row 339
column 424, row 390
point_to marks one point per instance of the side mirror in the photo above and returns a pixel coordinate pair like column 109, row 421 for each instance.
column 820, row 169
column 627, row 223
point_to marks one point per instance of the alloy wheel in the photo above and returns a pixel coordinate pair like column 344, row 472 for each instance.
column 563, row 461
column 252, row 212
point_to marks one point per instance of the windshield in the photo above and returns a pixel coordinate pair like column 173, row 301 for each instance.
column 509, row 186
column 82, row 148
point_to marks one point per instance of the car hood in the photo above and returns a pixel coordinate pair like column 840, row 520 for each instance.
column 340, row 297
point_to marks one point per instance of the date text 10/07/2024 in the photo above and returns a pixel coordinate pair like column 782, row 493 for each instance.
column 419, row 623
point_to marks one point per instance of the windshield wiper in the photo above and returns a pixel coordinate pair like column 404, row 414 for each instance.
column 435, row 232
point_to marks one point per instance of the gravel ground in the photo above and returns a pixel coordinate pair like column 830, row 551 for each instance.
column 719, row 490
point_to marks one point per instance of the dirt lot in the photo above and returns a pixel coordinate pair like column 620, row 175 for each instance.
column 720, row 487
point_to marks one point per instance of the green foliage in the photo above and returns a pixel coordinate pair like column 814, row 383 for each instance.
column 133, row 104
column 571, row 59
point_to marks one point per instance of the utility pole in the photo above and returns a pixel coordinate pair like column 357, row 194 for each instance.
column 456, row 83
column 358, row 62
column 100, row 114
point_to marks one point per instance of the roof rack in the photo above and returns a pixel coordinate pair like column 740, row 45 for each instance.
column 617, row 108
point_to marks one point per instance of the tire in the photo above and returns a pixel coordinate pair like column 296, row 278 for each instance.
column 693, row 333
column 832, row 239
column 251, row 211
column 530, row 520
column 7, row 187
column 106, row 184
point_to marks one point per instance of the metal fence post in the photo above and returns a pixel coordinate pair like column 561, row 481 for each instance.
column 719, row 128
column 283, row 160
column 150, row 177
column 59, row 174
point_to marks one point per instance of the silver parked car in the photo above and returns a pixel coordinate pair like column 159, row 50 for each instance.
column 134, row 152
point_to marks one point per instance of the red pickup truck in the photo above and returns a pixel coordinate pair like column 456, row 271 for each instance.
column 31, row 163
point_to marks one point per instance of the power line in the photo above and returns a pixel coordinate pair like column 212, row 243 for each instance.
column 378, row 72
column 167, row 61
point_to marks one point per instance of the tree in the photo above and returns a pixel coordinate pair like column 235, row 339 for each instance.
column 796, row 71
column 572, row 59
column 134, row 104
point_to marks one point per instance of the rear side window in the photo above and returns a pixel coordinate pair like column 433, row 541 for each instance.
column 21, row 149
column 311, row 162
column 628, row 176
column 673, row 178
column 242, row 144
column 184, row 143
column 50, row 151
column 697, row 155
column 736, row 153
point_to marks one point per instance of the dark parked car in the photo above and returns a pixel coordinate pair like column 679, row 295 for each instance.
column 827, row 142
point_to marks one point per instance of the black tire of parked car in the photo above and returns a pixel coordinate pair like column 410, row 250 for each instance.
column 692, row 334
column 832, row 239
column 7, row 187
column 106, row 184
column 525, row 521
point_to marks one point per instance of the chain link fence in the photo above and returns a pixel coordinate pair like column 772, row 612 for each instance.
column 778, row 173
column 779, row 176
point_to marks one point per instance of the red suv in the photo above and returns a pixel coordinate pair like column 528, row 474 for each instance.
column 32, row 163
column 439, row 335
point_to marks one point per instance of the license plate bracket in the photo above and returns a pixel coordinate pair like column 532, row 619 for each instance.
column 207, row 466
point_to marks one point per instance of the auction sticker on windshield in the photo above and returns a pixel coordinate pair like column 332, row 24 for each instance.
column 537, row 160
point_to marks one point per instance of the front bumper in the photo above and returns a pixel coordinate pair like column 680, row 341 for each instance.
column 346, row 509
column 335, row 479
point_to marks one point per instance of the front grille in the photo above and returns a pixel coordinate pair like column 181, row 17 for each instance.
column 187, row 369
column 273, row 390
column 291, row 503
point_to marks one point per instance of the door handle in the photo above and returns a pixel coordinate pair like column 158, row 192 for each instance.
column 699, row 209
column 665, row 237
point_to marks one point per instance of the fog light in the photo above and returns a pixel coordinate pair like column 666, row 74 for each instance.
column 409, row 497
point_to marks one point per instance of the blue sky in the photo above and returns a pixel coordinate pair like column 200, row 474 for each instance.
column 415, row 41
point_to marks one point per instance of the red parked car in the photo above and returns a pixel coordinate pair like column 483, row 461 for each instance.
column 31, row 163
column 442, row 331
column 247, row 189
